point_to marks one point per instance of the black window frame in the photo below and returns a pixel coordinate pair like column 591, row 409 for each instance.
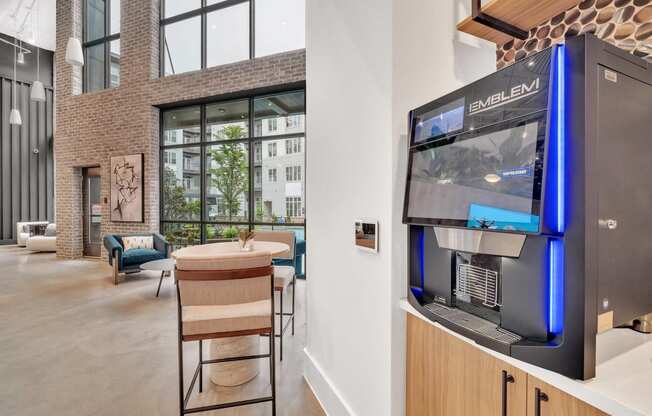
column 250, row 141
column 105, row 40
column 203, row 11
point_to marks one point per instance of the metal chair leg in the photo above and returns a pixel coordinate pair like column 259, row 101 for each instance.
column 272, row 360
column 181, row 401
column 116, row 270
column 159, row 283
column 280, row 318
column 201, row 366
column 294, row 295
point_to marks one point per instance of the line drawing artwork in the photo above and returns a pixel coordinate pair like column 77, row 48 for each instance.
column 126, row 188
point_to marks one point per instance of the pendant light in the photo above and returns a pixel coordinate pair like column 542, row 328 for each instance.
column 38, row 92
column 21, row 54
column 14, row 116
column 74, row 52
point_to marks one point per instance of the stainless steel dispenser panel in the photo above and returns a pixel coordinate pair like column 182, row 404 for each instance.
column 480, row 241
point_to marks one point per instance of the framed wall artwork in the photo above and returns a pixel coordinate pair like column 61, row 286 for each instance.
column 127, row 194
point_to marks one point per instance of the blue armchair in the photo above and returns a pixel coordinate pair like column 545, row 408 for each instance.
column 129, row 261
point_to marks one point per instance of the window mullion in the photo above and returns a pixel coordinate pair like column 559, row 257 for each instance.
column 204, row 31
column 252, row 150
column 107, row 30
column 202, row 173
column 252, row 26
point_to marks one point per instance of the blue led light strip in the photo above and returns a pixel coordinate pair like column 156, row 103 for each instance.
column 556, row 300
column 561, row 138
column 422, row 249
column 556, row 245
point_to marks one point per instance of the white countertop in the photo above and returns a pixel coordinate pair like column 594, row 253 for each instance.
column 623, row 382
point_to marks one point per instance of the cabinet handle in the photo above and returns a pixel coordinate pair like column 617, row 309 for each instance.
column 507, row 378
column 539, row 397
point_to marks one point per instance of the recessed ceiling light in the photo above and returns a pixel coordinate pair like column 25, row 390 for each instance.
column 221, row 110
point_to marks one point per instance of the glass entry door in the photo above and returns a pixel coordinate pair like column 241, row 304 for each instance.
column 92, row 211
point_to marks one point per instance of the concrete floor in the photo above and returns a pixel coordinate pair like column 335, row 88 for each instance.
column 72, row 343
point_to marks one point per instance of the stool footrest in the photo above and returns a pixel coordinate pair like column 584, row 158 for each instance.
column 230, row 359
column 227, row 405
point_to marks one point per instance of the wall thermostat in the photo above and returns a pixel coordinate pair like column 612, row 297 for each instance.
column 366, row 235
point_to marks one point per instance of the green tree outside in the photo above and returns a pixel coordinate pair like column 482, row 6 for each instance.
column 230, row 174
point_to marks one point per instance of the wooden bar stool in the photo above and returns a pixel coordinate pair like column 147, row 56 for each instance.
column 230, row 295
column 284, row 277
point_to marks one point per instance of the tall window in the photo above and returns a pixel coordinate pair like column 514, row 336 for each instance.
column 223, row 170
column 293, row 206
column 101, row 44
column 271, row 149
column 198, row 34
column 293, row 173
column 292, row 146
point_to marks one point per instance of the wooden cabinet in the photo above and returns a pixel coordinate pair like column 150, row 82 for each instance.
column 545, row 400
column 450, row 377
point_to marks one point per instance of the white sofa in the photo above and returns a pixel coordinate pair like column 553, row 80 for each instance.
column 47, row 242
column 22, row 234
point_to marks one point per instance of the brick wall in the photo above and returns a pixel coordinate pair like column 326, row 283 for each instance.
column 92, row 127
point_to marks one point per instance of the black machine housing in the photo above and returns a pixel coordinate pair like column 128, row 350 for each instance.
column 527, row 201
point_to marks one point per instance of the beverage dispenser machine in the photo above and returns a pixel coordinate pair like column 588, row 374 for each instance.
column 528, row 201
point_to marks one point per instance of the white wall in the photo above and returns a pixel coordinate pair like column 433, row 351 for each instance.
column 368, row 63
column 349, row 159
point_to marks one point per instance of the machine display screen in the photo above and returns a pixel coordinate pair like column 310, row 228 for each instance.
column 442, row 120
column 489, row 180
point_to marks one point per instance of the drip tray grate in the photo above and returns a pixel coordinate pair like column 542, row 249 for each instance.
column 478, row 283
column 473, row 323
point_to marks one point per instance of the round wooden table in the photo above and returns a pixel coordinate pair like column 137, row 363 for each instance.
column 209, row 251
column 237, row 372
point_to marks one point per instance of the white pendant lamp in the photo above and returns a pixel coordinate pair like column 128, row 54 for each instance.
column 21, row 54
column 14, row 116
column 38, row 92
column 74, row 53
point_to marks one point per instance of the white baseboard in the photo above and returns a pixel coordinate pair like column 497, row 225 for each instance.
column 327, row 394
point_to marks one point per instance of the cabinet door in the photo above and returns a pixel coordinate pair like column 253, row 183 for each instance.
column 545, row 400
column 449, row 377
